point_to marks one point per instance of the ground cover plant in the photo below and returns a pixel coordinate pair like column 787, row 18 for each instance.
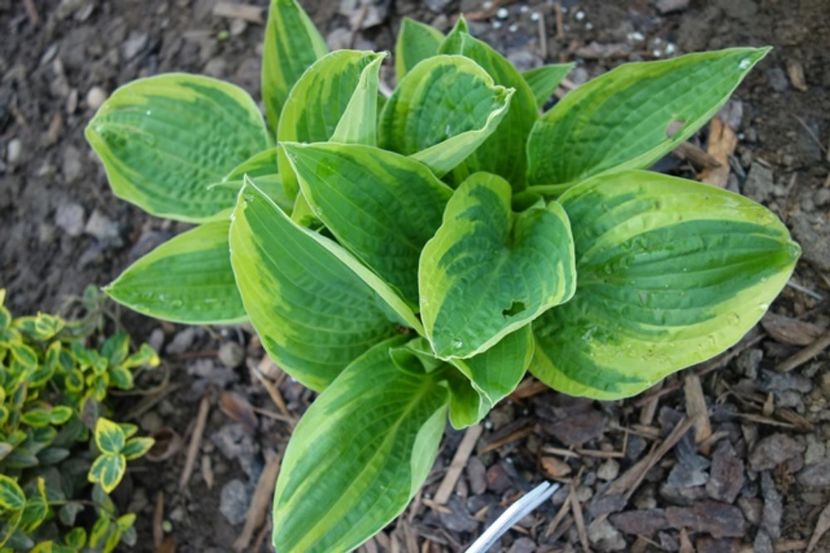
column 60, row 457
column 412, row 257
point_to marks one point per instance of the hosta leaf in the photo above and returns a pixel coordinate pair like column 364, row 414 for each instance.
column 380, row 205
column 490, row 377
column 544, row 80
column 358, row 455
column 11, row 496
column 442, row 110
column 109, row 437
column 416, row 42
column 631, row 116
column 262, row 169
column 488, row 271
column 107, row 471
column 503, row 153
column 671, row 273
column 187, row 279
column 318, row 101
column 292, row 43
column 313, row 313
column 164, row 140
column 358, row 124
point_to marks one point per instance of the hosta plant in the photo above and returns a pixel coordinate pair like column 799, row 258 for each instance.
column 412, row 257
column 59, row 456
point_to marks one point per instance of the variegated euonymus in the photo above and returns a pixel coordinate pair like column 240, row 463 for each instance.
column 412, row 257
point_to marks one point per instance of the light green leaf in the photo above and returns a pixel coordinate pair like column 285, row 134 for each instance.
column 358, row 124
column 75, row 538
column 262, row 169
column 116, row 348
column 23, row 354
column 11, row 496
column 380, row 205
column 358, row 455
column 442, row 110
column 36, row 509
column 107, row 471
column 312, row 312
column 544, row 80
column 164, row 140
column 188, row 279
column 491, row 376
column 488, row 271
column 109, row 437
column 292, row 43
column 503, row 153
column 137, row 447
column 146, row 356
column 416, row 42
column 60, row 415
column 36, row 418
column 633, row 115
column 318, row 101
column 671, row 273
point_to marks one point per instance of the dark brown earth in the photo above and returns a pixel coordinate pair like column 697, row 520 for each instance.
column 760, row 486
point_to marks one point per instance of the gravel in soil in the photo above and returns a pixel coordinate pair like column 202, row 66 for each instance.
column 751, row 473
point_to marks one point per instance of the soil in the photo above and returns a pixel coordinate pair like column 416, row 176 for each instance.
column 62, row 229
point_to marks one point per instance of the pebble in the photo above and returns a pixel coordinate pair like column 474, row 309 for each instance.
column 604, row 536
column 458, row 519
column 437, row 6
column 177, row 514
column 523, row 545
column 231, row 354
column 95, row 97
column 773, row 507
column 72, row 167
column 726, row 477
column 609, row 470
column 759, row 183
column 763, row 543
column 14, row 151
column 815, row 476
column 69, row 217
column 816, row 450
column 749, row 361
column 777, row 79
column 822, row 197
column 497, row 479
column 151, row 422
column 235, row 442
column 104, row 229
column 156, row 339
column 134, row 44
column 576, row 429
column 234, row 500
column 477, row 475
column 668, row 6
column 182, row 341
column 773, row 450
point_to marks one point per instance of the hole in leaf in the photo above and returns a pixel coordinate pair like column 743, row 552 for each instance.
column 515, row 308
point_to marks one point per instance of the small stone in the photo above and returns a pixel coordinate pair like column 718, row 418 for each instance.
column 151, row 422
column 816, row 450
column 759, row 183
column 235, row 442
column 773, row 507
column 815, row 476
column 749, row 361
column 234, row 500
column 498, row 480
column 773, row 450
column 609, row 470
column 777, row 79
column 104, row 229
column 177, row 514
column 773, row 381
column 576, row 429
column 523, row 545
column 96, row 97
column 156, row 340
column 555, row 468
column 238, row 27
column 715, row 518
column 72, row 167
column 606, row 538
column 437, row 6
column 70, row 218
column 182, row 341
column 668, row 6
column 14, row 151
column 822, row 197
column 726, row 477
column 458, row 519
column 690, row 469
column 231, row 354
column 134, row 44
column 477, row 475
column 643, row 522
column 751, row 507
column 763, row 543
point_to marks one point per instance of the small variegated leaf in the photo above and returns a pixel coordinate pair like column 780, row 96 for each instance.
column 107, row 471
column 416, row 42
column 137, row 447
column 544, row 80
column 442, row 111
column 12, row 497
column 164, row 140
column 671, row 273
column 380, row 205
column 633, row 115
column 488, row 271
column 188, row 279
column 292, row 43
column 358, row 455
column 312, row 312
column 109, row 437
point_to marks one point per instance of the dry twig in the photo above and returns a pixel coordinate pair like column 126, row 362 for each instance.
column 245, row 12
column 195, row 441
column 258, row 509
column 459, row 461
column 696, row 409
column 576, row 509
column 801, row 357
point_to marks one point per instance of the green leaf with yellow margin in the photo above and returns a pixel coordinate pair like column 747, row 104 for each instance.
column 442, row 111
column 36, row 509
column 544, row 80
column 380, row 205
column 109, row 437
column 358, row 455
column 107, row 471
column 314, row 314
column 292, row 43
column 318, row 101
column 137, row 447
column 188, row 279
column 671, row 273
column 503, row 153
column 416, row 42
column 633, row 115
column 358, row 124
column 12, row 497
column 164, row 140
column 489, row 271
